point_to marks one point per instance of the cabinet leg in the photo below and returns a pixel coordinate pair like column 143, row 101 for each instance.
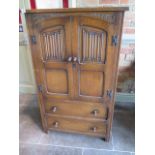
column 45, row 130
column 106, row 139
column 103, row 139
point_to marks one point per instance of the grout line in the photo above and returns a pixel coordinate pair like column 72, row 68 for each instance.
column 40, row 139
column 82, row 151
column 74, row 147
column 112, row 141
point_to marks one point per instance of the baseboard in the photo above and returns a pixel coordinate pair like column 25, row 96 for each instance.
column 125, row 97
column 120, row 97
column 27, row 89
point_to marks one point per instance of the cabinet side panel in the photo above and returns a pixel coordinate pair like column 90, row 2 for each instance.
column 36, row 67
column 117, row 31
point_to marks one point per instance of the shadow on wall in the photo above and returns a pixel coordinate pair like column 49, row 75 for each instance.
column 126, row 79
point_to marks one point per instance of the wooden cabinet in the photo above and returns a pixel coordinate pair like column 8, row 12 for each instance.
column 75, row 55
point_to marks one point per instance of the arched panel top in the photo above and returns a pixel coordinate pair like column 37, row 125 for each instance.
column 94, row 23
column 52, row 29
column 44, row 24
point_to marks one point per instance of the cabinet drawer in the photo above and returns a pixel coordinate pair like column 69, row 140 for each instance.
column 93, row 110
column 97, row 128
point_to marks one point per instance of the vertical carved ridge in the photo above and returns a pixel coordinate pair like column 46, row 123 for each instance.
column 89, row 46
column 58, row 43
column 98, row 47
column 87, row 51
column 91, row 38
column 51, row 47
column 49, row 52
column 102, row 45
column 52, row 37
column 61, row 44
column 93, row 50
column 59, row 55
column 84, row 49
column 45, row 47
column 48, row 47
column 60, row 49
column 55, row 46
column 95, row 47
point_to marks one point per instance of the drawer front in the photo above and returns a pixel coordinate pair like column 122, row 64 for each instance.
column 93, row 110
column 97, row 128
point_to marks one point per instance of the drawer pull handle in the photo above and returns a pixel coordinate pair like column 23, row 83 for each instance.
column 54, row 109
column 55, row 124
column 95, row 112
column 94, row 129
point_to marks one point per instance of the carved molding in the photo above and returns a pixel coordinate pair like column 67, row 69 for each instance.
column 109, row 17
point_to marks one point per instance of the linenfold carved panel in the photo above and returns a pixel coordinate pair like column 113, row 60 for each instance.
column 52, row 44
column 93, row 45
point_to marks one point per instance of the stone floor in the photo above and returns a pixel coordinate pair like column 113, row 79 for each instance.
column 33, row 141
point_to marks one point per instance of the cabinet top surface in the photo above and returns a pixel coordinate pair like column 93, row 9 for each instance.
column 72, row 10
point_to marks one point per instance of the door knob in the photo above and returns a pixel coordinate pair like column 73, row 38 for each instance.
column 95, row 112
column 69, row 59
column 94, row 129
column 75, row 59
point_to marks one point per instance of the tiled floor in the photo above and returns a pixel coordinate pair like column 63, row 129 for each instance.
column 33, row 141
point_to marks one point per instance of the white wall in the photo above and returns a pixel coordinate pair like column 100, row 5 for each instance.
column 26, row 75
column 42, row 4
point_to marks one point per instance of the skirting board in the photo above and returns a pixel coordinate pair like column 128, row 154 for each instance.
column 27, row 89
column 120, row 97
column 125, row 97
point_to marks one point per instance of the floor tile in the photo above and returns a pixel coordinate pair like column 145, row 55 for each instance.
column 30, row 132
column 30, row 149
column 29, row 120
column 28, row 113
column 123, row 120
column 74, row 140
column 28, row 99
column 125, row 107
column 124, row 127
column 123, row 139
column 103, row 152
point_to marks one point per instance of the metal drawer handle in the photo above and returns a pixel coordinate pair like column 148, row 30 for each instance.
column 54, row 109
column 55, row 124
column 95, row 112
column 94, row 129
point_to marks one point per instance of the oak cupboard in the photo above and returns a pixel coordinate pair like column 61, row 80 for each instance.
column 75, row 55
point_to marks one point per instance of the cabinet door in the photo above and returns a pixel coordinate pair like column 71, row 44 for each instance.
column 92, row 48
column 52, row 59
